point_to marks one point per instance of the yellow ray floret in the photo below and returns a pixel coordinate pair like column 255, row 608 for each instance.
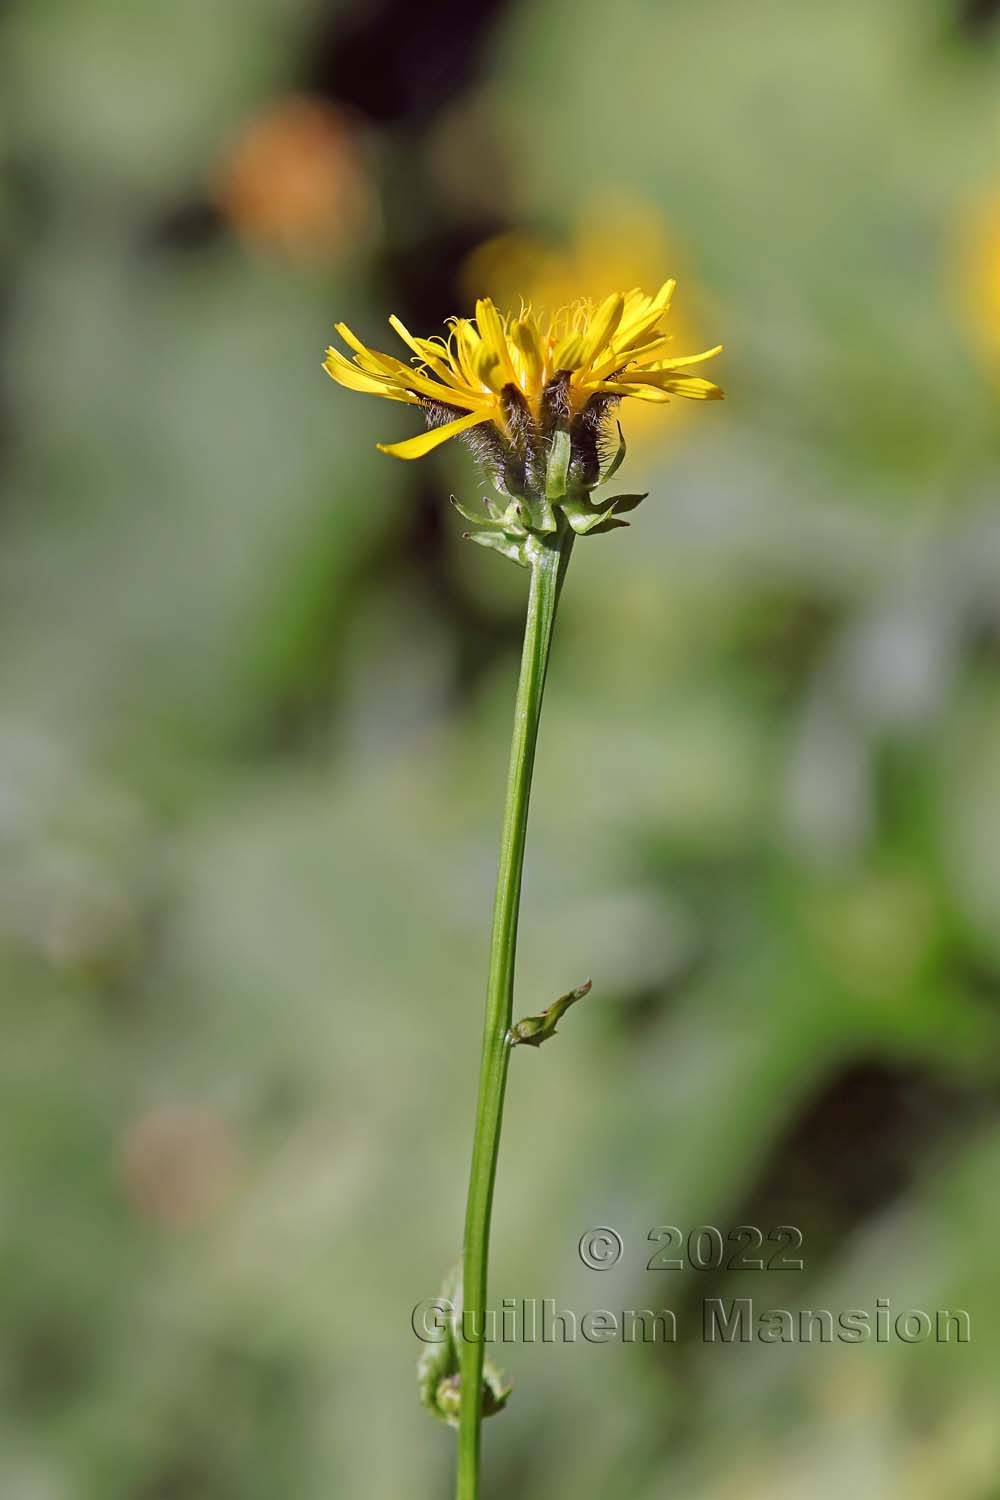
column 615, row 348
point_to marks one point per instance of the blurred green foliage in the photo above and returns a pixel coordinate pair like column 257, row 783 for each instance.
column 255, row 699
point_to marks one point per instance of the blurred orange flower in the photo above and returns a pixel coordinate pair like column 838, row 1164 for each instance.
column 178, row 1164
column 294, row 180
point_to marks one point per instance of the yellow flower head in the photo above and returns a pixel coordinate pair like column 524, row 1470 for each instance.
column 517, row 378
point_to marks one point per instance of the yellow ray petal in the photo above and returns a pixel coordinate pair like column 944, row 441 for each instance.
column 425, row 385
column 568, row 353
column 601, row 327
column 344, row 373
column 525, row 336
column 424, row 442
column 665, row 295
column 692, row 386
column 487, row 370
column 638, row 333
column 633, row 355
column 679, row 360
column 648, row 354
column 432, row 357
column 639, row 307
column 467, row 341
column 360, row 349
column 643, row 393
column 490, row 325
column 650, row 357
column 369, row 360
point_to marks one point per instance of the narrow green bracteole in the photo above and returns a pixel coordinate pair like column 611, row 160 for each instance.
column 618, row 458
column 621, row 503
column 557, row 469
column 500, row 541
column 510, row 520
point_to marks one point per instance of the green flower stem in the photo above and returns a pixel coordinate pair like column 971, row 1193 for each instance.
column 548, row 568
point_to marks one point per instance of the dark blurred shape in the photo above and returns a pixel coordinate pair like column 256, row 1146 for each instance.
column 193, row 225
column 431, row 279
column 642, row 1008
column 182, row 1477
column 51, row 1364
column 860, row 1141
column 245, row 1407
column 858, row 1144
column 398, row 61
column 402, row 66
column 783, row 640
column 979, row 16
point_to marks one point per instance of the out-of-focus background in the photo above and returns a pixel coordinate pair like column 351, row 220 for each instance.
column 255, row 706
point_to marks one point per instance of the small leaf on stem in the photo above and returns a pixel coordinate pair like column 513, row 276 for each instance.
column 532, row 1031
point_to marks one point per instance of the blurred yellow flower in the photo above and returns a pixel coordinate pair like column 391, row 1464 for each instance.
column 618, row 239
column 979, row 272
column 524, row 374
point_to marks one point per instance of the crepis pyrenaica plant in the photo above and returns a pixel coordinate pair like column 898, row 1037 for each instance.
column 534, row 397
